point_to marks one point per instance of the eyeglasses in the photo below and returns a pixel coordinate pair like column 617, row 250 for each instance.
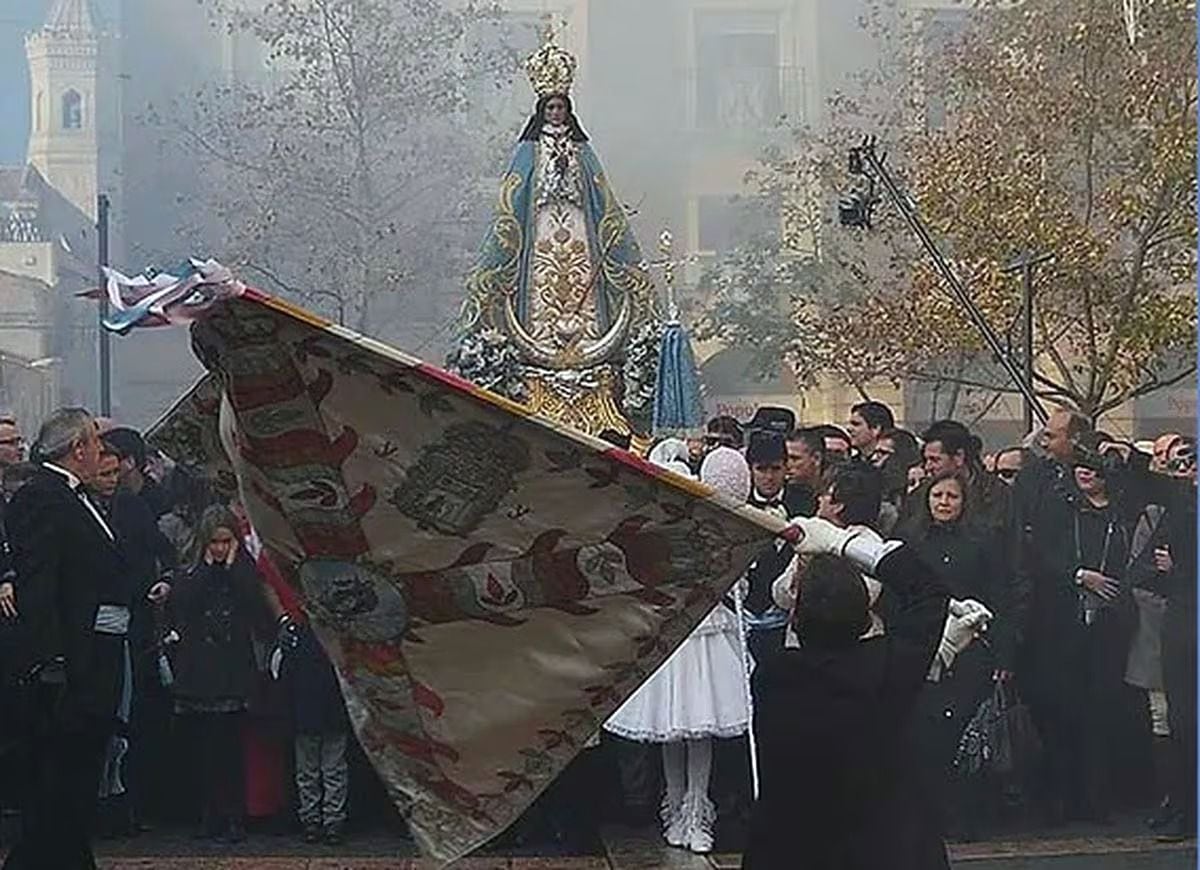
column 719, row 441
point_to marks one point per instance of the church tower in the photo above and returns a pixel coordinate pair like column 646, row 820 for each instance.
column 74, row 131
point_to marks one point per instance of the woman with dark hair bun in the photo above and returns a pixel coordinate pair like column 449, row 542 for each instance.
column 1080, row 626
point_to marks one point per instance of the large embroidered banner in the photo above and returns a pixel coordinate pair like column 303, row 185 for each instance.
column 490, row 587
column 190, row 434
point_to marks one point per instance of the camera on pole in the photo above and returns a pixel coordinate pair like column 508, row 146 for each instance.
column 856, row 207
column 855, row 210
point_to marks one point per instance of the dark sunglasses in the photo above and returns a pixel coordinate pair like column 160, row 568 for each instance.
column 1181, row 463
column 1007, row 473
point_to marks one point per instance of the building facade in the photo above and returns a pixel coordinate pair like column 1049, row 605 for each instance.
column 48, row 235
column 682, row 97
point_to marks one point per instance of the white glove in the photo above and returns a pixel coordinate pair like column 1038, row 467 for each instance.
column 783, row 590
column 862, row 547
column 813, row 536
column 969, row 607
column 965, row 622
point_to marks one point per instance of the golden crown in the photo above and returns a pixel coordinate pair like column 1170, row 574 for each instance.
column 551, row 70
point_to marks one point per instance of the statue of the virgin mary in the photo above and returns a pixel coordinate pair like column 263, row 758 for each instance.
column 560, row 312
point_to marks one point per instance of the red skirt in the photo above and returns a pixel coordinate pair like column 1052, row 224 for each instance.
column 266, row 768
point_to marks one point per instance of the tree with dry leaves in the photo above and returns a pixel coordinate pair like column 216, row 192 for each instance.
column 349, row 176
column 1037, row 127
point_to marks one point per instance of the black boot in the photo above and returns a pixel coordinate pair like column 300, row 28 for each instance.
column 1163, row 755
column 236, row 831
column 1178, row 830
column 209, row 829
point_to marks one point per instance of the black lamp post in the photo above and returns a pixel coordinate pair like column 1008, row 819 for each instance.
column 105, row 361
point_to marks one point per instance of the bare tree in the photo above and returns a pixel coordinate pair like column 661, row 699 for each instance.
column 348, row 177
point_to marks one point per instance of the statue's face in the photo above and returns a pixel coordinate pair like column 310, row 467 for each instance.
column 556, row 111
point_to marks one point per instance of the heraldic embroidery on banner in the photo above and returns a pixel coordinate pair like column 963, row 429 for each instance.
column 489, row 587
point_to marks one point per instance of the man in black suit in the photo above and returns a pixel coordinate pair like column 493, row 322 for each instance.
column 767, row 458
column 71, row 592
column 805, row 471
column 829, row 716
column 149, row 559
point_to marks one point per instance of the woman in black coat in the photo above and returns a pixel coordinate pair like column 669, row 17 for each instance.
column 961, row 554
column 1080, row 627
column 216, row 607
column 949, row 539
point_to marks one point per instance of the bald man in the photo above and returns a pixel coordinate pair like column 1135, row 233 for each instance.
column 1162, row 451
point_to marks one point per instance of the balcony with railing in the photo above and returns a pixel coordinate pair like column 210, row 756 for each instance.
column 19, row 225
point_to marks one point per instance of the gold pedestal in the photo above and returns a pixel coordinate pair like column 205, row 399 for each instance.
column 581, row 400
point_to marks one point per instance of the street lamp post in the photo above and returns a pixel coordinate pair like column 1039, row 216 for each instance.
column 1025, row 264
column 102, row 207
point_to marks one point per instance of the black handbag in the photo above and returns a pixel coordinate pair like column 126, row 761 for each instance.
column 1017, row 743
column 977, row 746
column 1000, row 738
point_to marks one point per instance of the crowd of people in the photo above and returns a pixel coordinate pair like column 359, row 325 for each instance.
column 147, row 642
column 1059, row 578
column 1069, row 566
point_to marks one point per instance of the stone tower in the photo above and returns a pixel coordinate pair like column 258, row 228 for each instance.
column 75, row 126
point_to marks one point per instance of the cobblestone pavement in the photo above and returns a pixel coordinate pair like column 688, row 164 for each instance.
column 623, row 848
column 1177, row 859
column 627, row 849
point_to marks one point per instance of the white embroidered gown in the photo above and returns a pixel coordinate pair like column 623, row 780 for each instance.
column 699, row 691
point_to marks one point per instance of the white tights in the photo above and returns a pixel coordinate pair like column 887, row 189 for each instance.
column 687, row 765
column 688, row 814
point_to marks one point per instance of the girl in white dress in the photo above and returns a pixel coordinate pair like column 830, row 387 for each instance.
column 699, row 692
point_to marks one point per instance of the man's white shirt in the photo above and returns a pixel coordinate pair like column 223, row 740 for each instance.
column 76, row 486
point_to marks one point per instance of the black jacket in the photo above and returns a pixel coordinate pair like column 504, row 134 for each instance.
column 10, row 630
column 963, row 558
column 828, row 725
column 770, row 562
column 66, row 567
column 1178, row 527
column 1046, row 499
column 313, row 690
column 150, row 556
column 6, row 559
column 147, row 550
column 997, row 512
column 216, row 610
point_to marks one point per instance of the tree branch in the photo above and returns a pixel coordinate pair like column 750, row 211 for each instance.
column 1126, row 306
column 1052, row 351
column 1147, row 388
column 941, row 377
